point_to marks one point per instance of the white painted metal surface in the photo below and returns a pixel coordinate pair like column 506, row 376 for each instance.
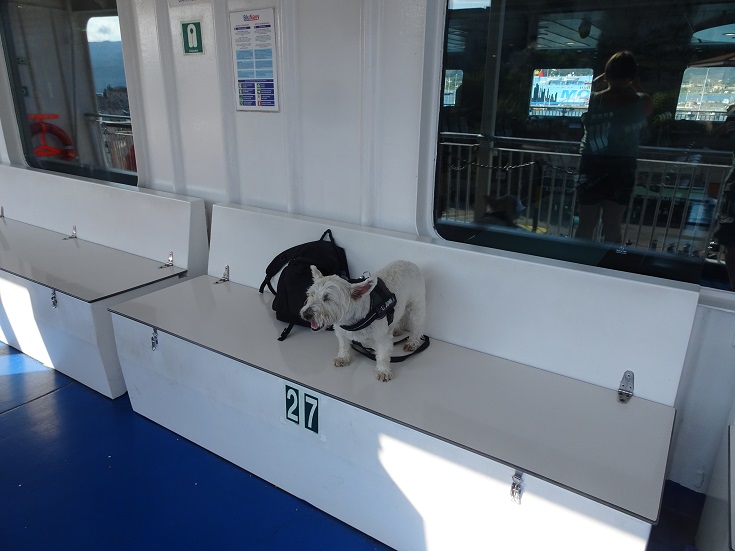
column 325, row 152
column 590, row 324
column 398, row 484
column 263, row 163
column 124, row 237
column 705, row 388
column 140, row 222
column 717, row 523
column 74, row 266
column 569, row 432
column 74, row 337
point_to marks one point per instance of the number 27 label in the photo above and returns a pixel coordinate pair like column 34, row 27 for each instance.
column 302, row 409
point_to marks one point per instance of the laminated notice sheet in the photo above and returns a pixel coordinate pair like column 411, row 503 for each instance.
column 254, row 55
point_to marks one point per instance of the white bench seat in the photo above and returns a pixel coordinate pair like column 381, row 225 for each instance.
column 510, row 400
column 75, row 267
column 55, row 289
column 54, row 295
column 571, row 433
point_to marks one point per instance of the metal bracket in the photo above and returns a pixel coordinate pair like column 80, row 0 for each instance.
column 154, row 339
column 516, row 487
column 225, row 276
column 169, row 262
column 54, row 300
column 73, row 233
column 625, row 390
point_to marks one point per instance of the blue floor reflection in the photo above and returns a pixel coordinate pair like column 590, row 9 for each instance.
column 81, row 471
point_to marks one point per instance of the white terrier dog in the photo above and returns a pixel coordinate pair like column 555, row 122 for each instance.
column 361, row 311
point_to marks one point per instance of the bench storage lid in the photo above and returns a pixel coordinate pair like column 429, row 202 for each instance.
column 73, row 266
column 571, row 433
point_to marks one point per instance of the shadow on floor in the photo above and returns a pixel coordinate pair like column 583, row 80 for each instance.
column 679, row 520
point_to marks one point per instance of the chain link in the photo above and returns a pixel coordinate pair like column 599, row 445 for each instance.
column 507, row 168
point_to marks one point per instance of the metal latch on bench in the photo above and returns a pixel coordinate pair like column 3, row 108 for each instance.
column 625, row 390
column 169, row 262
column 73, row 234
column 154, row 339
column 516, row 487
column 225, row 276
column 54, row 300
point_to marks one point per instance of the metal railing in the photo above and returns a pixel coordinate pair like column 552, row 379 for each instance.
column 532, row 185
column 115, row 135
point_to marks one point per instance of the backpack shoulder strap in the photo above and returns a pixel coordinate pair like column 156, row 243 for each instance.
column 277, row 264
column 286, row 332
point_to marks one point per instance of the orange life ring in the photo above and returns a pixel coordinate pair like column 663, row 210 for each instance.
column 66, row 152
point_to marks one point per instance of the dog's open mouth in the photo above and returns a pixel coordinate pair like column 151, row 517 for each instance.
column 315, row 326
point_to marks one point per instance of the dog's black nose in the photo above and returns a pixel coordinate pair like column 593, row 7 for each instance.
column 307, row 314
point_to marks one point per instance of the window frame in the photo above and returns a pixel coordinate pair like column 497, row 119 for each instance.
column 627, row 259
column 22, row 152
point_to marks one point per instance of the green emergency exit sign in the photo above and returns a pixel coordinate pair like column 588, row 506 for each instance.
column 192, row 35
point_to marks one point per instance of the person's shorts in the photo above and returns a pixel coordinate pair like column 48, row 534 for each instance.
column 605, row 178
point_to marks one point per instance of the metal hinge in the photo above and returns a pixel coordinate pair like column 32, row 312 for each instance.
column 169, row 262
column 225, row 275
column 54, row 300
column 625, row 390
column 516, row 487
column 154, row 339
column 73, row 234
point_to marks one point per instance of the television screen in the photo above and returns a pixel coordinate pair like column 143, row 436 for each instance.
column 560, row 92
column 705, row 93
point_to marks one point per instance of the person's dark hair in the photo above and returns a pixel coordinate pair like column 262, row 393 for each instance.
column 621, row 65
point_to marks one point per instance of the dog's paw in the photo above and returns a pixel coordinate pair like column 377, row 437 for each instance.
column 384, row 376
column 410, row 346
column 341, row 362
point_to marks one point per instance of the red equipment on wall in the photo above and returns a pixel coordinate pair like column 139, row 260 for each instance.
column 66, row 152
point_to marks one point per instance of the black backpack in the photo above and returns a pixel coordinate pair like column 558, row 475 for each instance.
column 296, row 277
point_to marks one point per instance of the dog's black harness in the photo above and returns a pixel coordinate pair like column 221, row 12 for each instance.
column 382, row 304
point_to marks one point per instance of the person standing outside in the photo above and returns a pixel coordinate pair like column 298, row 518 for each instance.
column 609, row 147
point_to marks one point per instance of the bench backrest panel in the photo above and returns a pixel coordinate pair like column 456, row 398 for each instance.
column 137, row 221
column 589, row 324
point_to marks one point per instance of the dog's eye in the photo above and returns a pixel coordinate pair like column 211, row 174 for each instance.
column 327, row 298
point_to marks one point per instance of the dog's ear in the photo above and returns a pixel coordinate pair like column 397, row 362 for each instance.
column 315, row 273
column 363, row 288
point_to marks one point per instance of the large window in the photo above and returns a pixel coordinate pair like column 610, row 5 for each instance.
column 69, row 88
column 508, row 169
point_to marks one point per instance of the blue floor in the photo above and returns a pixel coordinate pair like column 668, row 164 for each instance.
column 80, row 471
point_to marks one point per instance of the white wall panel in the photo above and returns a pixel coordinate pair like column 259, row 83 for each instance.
column 706, row 392
column 398, row 89
column 199, row 117
column 330, row 79
column 4, row 157
column 157, row 163
column 266, row 157
column 345, row 142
